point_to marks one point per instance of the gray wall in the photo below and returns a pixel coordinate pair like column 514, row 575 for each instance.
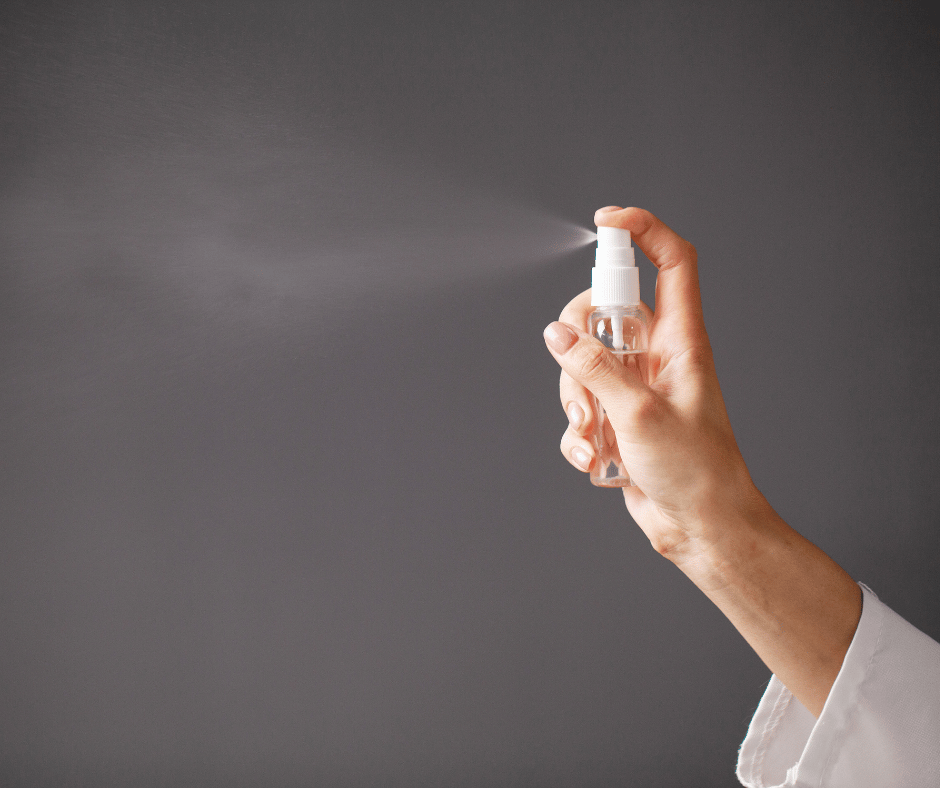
column 281, row 496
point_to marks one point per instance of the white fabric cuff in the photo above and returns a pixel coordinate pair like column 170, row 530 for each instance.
column 880, row 725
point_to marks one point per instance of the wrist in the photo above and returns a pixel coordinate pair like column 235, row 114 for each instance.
column 728, row 516
column 729, row 534
column 790, row 601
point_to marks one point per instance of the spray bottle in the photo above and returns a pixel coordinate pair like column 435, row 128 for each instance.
column 620, row 324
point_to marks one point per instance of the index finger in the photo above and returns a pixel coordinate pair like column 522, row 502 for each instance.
column 576, row 311
column 677, row 289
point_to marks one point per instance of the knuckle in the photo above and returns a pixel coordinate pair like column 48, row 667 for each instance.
column 587, row 423
column 594, row 361
column 566, row 444
column 573, row 393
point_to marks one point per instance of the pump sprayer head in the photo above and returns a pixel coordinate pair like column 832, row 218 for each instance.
column 615, row 280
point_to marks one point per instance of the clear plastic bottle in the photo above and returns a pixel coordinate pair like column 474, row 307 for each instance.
column 620, row 325
column 624, row 331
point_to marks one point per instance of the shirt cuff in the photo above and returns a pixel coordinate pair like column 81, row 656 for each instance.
column 785, row 745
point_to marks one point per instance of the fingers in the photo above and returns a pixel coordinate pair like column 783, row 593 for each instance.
column 578, row 404
column 576, row 311
column 678, row 297
column 574, row 396
column 590, row 364
column 663, row 246
column 632, row 407
column 577, row 449
column 575, row 399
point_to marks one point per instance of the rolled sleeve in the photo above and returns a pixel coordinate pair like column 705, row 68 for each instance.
column 880, row 725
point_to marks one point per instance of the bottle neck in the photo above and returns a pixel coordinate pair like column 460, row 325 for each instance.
column 612, row 286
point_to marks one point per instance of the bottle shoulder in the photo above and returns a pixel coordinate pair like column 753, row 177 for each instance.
column 621, row 329
column 632, row 310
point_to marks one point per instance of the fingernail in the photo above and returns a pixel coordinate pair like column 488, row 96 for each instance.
column 575, row 414
column 559, row 337
column 581, row 458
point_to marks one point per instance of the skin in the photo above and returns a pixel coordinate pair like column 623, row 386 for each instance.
column 694, row 499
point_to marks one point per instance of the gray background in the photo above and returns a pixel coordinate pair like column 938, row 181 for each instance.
column 281, row 496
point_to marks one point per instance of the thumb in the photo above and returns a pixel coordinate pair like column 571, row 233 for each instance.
column 588, row 362
column 678, row 299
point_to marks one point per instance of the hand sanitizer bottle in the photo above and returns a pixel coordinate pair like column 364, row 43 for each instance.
column 620, row 324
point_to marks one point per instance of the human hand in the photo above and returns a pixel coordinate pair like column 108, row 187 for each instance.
column 673, row 431
column 694, row 498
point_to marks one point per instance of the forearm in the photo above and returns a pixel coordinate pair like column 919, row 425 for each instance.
column 790, row 601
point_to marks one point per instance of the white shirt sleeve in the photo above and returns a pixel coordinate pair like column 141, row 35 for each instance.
column 880, row 725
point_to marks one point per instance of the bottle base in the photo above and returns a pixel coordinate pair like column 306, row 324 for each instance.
column 621, row 482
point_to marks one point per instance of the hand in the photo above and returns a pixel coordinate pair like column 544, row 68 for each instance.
column 694, row 498
column 673, row 432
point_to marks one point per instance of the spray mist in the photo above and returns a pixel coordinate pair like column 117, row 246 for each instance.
column 619, row 323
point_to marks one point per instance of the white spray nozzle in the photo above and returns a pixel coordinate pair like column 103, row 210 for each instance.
column 613, row 238
column 615, row 278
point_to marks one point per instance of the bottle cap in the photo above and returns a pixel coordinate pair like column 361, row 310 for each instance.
column 615, row 279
